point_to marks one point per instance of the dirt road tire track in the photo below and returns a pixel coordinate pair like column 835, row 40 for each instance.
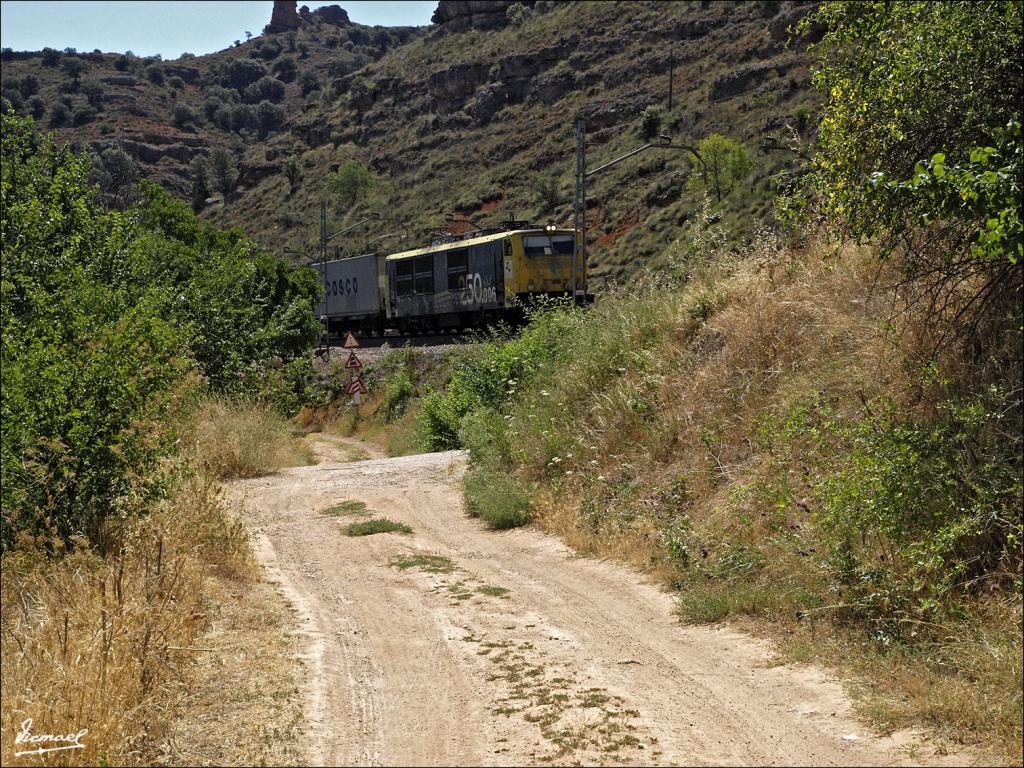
column 579, row 661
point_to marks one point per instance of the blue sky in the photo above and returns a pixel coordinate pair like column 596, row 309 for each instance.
column 169, row 27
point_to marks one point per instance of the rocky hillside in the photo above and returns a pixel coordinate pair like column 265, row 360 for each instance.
column 472, row 116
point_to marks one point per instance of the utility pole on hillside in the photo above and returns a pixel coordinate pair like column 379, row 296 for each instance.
column 582, row 174
column 580, row 207
column 671, row 75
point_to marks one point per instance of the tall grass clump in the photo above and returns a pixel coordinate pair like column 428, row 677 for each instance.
column 499, row 500
column 231, row 438
column 104, row 643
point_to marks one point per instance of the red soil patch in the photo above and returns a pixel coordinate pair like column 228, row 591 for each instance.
column 627, row 224
column 492, row 205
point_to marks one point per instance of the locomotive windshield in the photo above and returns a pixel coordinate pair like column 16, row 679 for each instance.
column 548, row 245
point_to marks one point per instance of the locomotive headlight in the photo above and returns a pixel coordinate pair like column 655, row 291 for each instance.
column 550, row 228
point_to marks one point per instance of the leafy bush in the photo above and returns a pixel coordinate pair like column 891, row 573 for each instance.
column 13, row 97
column 50, row 57
column 114, row 173
column 36, row 107
column 107, row 317
column 269, row 51
column 397, row 391
column 496, row 498
column 28, row 85
column 90, row 368
column 938, row 188
column 270, row 117
column 238, row 74
column 265, row 89
column 308, row 83
column 122, row 63
column 184, row 116
column 176, row 83
column 914, row 521
column 493, row 371
column 650, row 122
column 94, row 93
column 155, row 73
column 285, row 69
column 518, row 14
column 83, row 113
column 58, row 114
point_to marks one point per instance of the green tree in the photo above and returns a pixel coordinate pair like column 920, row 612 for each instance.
column 74, row 67
column 285, row 69
column 724, row 163
column 58, row 114
column 109, row 319
column 115, row 174
column 155, row 73
column 224, row 171
column 352, row 183
column 89, row 368
column 308, row 82
column 906, row 81
column 28, row 85
column 200, row 182
column 94, row 93
column 920, row 152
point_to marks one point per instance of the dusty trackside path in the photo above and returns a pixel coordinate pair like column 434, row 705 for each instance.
column 577, row 662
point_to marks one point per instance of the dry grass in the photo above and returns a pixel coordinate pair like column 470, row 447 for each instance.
column 102, row 643
column 240, row 704
column 238, row 439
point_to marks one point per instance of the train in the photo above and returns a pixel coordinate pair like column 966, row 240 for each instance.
column 455, row 283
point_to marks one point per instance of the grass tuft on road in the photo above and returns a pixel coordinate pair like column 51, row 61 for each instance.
column 492, row 591
column 349, row 507
column 426, row 563
column 379, row 525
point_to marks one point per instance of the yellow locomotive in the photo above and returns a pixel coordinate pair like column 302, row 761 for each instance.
column 466, row 281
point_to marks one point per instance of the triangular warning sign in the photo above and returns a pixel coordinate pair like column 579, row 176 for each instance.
column 353, row 361
column 356, row 386
column 350, row 341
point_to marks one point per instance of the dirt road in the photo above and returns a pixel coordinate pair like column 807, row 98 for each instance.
column 459, row 645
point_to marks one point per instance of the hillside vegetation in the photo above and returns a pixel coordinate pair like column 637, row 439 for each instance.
column 817, row 438
column 450, row 119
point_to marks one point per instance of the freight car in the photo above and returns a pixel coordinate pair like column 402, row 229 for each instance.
column 462, row 283
column 355, row 295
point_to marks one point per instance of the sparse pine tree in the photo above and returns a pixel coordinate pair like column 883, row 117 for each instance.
column 74, row 67
column 224, row 171
column 200, row 182
column 292, row 173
